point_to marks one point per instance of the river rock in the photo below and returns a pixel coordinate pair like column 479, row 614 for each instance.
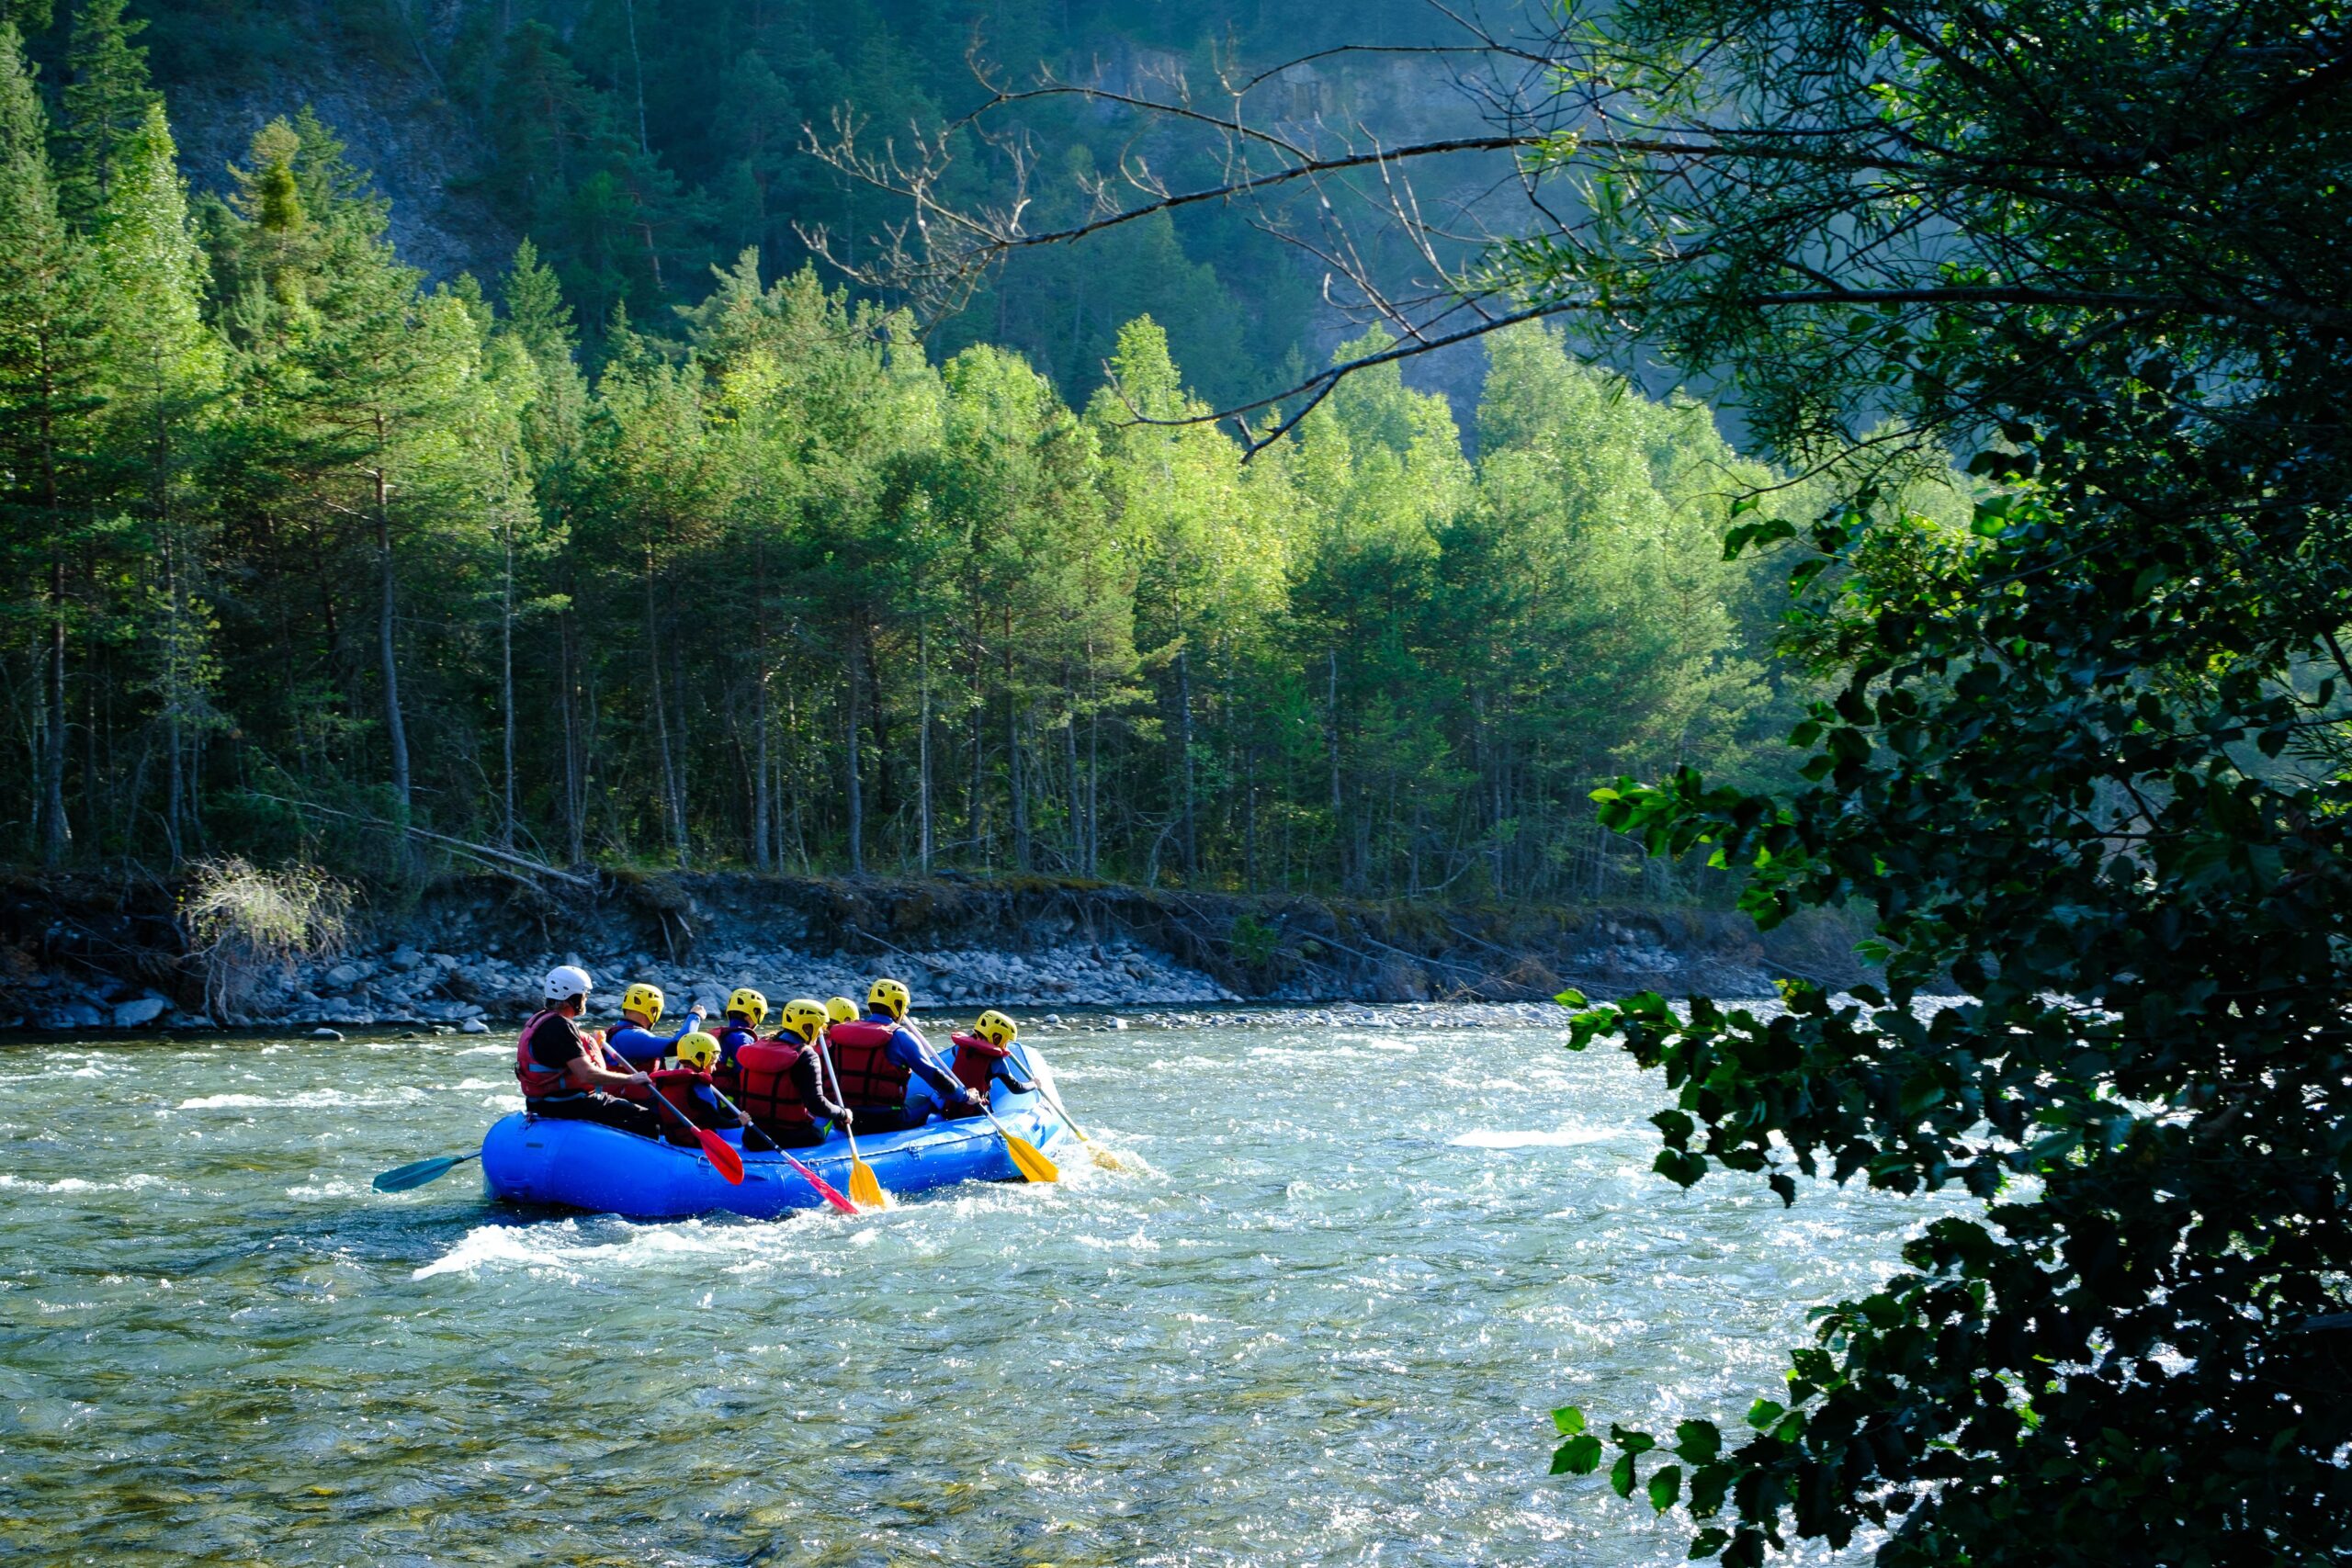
column 145, row 1011
column 473, row 1026
column 322, row 1033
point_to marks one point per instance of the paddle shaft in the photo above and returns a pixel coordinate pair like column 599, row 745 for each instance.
column 825, row 1067
column 421, row 1173
column 1046, row 1094
column 823, row 1189
column 863, row 1185
column 700, row 1134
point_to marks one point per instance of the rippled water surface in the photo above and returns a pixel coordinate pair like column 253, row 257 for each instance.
column 1322, row 1323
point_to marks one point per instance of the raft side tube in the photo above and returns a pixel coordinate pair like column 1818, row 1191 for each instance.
column 583, row 1164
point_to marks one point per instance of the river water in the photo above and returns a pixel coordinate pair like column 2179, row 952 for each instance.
column 1322, row 1319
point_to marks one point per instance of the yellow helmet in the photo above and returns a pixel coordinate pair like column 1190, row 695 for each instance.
column 996, row 1029
column 890, row 995
column 803, row 1017
column 841, row 1009
column 698, row 1050
column 642, row 997
column 750, row 1003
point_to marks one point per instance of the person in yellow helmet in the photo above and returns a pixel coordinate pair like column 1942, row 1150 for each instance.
column 635, row 1041
column 746, row 1010
column 984, row 1058
column 688, row 1086
column 886, row 1072
column 841, row 1009
column 782, row 1087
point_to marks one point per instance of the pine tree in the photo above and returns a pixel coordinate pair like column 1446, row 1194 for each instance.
column 167, row 368
column 106, row 98
column 49, row 391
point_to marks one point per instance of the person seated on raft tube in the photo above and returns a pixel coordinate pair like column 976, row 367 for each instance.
column 985, row 1056
column 746, row 1010
column 565, row 1073
column 635, row 1041
column 884, row 1071
column 781, row 1082
column 688, row 1086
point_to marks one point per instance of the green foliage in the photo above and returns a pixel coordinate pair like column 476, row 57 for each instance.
column 2078, row 748
column 782, row 589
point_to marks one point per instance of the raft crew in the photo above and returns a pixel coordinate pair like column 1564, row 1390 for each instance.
column 825, row 1069
column 885, row 1071
column 746, row 1010
column 781, row 1083
column 635, row 1041
column 688, row 1085
column 565, row 1073
column 985, row 1056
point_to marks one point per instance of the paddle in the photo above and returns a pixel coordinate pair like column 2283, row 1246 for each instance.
column 863, row 1185
column 1100, row 1155
column 421, row 1172
column 825, row 1190
column 717, row 1150
column 722, row 1154
column 1027, row 1158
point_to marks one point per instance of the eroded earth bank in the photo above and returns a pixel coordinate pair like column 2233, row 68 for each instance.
column 466, row 953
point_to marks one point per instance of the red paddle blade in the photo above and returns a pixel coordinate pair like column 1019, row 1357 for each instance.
column 824, row 1188
column 722, row 1155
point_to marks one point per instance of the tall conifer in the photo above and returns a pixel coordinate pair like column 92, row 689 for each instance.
column 49, row 391
column 106, row 98
column 166, row 367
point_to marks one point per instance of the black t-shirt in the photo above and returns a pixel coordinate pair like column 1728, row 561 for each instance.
column 555, row 1042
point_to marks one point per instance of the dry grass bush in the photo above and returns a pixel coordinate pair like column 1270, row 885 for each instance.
column 242, row 920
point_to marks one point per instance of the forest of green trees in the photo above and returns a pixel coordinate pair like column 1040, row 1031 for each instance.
column 304, row 544
column 639, row 142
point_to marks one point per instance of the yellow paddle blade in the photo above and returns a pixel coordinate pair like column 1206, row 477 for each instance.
column 1029, row 1158
column 865, row 1188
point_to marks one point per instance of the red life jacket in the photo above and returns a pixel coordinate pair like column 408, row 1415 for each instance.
column 769, row 1097
column 868, row 1080
column 677, row 1086
column 678, row 1083
column 541, row 1082
column 975, row 1060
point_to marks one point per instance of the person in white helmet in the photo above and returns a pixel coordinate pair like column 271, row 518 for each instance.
column 566, row 1074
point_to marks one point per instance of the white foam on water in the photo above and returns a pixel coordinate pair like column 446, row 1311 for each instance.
column 485, row 1051
column 309, row 1099
column 1557, row 1138
column 133, row 1183
column 561, row 1248
column 334, row 1189
column 1380, row 1049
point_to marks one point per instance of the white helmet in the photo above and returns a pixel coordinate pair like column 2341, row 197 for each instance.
column 565, row 981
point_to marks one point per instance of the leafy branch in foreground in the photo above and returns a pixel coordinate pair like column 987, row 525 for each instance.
column 2083, row 760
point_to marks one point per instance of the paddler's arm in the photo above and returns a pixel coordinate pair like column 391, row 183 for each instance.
column 911, row 1052
column 810, row 1085
column 582, row 1073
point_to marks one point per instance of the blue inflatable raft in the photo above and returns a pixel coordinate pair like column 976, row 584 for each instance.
column 579, row 1165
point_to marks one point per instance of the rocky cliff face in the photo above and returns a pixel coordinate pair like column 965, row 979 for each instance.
column 395, row 120
column 79, row 953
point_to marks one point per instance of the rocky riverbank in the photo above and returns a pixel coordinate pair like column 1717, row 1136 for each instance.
column 467, row 953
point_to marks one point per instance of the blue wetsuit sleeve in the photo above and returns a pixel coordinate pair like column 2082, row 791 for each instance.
column 640, row 1045
column 907, row 1052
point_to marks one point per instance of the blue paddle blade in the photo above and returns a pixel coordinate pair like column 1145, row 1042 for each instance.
column 418, row 1174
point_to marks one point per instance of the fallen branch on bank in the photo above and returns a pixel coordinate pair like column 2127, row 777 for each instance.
column 496, row 859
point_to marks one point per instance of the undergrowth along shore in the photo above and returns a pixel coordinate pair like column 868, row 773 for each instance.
column 80, row 952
